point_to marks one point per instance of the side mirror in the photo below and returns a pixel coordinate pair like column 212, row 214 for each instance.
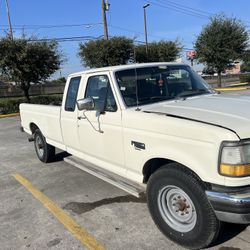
column 85, row 104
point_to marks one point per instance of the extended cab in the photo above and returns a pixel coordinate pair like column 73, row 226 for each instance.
column 158, row 128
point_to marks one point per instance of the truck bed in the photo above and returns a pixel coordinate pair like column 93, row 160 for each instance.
column 47, row 118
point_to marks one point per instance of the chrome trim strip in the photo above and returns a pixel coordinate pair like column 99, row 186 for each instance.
column 238, row 198
column 233, row 218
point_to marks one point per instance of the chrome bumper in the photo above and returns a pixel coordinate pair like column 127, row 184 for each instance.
column 231, row 207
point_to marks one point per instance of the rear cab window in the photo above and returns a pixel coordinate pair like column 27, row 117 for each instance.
column 73, row 87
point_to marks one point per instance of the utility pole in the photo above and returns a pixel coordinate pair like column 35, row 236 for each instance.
column 145, row 27
column 105, row 7
column 8, row 13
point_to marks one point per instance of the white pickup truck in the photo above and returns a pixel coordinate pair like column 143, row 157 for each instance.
column 155, row 128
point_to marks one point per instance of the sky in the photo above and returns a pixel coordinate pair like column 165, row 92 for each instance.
column 180, row 20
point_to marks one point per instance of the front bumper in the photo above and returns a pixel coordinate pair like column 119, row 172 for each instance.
column 233, row 207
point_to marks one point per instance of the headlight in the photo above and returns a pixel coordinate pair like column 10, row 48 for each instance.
column 235, row 159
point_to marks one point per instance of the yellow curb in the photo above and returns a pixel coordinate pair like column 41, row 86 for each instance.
column 238, row 84
column 230, row 89
column 9, row 115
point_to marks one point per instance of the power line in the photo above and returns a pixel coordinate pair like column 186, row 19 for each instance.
column 66, row 39
column 187, row 7
column 83, row 38
column 177, row 9
column 44, row 26
column 86, row 25
column 184, row 9
column 76, row 38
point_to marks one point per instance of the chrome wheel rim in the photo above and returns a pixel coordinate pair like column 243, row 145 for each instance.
column 177, row 209
column 39, row 146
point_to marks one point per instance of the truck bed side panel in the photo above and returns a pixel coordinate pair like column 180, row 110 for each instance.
column 46, row 118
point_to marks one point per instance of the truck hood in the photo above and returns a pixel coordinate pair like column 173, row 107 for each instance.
column 228, row 111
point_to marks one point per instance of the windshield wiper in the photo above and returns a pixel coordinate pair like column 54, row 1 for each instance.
column 193, row 92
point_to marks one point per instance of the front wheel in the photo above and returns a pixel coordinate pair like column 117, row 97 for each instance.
column 180, row 208
column 45, row 152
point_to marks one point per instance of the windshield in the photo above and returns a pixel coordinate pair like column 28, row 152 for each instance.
column 158, row 83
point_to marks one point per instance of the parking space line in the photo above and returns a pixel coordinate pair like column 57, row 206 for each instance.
column 80, row 233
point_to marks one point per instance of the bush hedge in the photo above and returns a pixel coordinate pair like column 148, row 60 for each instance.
column 245, row 78
column 11, row 105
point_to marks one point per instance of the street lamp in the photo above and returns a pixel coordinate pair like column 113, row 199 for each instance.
column 145, row 27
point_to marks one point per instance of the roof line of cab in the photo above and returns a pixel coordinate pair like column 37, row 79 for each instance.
column 122, row 67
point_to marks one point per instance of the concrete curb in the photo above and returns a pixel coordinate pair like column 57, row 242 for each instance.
column 9, row 115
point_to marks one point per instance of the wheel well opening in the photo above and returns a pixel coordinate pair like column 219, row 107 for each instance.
column 33, row 127
column 152, row 165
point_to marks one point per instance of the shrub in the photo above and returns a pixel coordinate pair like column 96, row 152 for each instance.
column 11, row 105
column 245, row 78
column 47, row 99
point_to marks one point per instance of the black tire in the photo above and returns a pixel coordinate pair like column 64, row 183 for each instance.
column 190, row 204
column 44, row 151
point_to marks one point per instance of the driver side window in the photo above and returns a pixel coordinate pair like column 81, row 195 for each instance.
column 98, row 87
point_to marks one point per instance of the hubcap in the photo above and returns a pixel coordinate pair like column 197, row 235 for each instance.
column 177, row 209
column 39, row 146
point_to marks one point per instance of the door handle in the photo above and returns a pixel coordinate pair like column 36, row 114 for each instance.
column 81, row 117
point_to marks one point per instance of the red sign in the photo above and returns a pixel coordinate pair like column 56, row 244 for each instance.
column 191, row 54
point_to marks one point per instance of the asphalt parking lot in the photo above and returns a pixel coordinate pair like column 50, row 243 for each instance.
column 113, row 218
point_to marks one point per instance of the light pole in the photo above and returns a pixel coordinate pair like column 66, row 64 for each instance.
column 8, row 13
column 145, row 27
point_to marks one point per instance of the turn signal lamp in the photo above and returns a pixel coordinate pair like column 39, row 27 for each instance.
column 235, row 160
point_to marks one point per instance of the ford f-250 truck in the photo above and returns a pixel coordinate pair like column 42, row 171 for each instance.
column 157, row 128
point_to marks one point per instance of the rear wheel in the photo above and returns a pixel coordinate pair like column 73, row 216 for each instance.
column 180, row 208
column 45, row 152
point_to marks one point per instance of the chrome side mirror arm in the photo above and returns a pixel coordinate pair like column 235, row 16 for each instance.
column 84, row 105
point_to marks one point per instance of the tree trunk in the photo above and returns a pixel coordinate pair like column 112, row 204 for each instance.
column 26, row 94
column 219, row 79
column 25, row 88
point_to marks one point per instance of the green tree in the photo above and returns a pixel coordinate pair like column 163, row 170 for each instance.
column 208, row 70
column 25, row 62
column 245, row 67
column 102, row 52
column 162, row 51
column 221, row 42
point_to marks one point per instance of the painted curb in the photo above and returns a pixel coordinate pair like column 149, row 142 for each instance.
column 9, row 115
column 238, row 84
column 231, row 89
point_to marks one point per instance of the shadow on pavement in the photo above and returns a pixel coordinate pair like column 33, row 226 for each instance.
column 60, row 156
column 83, row 207
column 229, row 231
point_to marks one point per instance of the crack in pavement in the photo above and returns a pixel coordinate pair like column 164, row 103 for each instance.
column 243, row 239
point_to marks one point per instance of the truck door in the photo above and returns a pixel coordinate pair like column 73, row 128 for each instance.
column 100, row 135
column 69, row 114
